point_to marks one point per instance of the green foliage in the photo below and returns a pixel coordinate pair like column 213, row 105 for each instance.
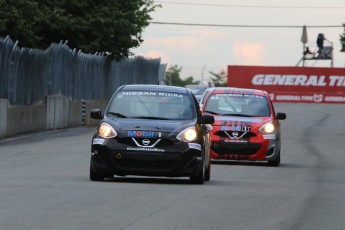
column 173, row 77
column 342, row 40
column 219, row 79
column 108, row 26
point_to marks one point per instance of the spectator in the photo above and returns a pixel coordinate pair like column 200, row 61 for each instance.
column 319, row 41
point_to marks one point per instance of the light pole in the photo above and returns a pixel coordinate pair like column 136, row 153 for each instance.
column 202, row 75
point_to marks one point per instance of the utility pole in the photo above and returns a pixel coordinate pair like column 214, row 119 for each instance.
column 202, row 75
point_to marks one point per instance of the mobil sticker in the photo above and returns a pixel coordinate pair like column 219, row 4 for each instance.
column 146, row 134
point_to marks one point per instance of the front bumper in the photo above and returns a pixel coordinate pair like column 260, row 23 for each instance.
column 180, row 159
column 254, row 149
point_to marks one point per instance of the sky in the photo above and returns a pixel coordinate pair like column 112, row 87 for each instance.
column 246, row 32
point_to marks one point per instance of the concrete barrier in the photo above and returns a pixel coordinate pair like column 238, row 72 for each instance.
column 3, row 117
column 58, row 112
column 74, row 113
column 25, row 119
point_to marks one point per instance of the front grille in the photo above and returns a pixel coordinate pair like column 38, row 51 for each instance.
column 235, row 148
column 129, row 162
column 146, row 165
column 231, row 134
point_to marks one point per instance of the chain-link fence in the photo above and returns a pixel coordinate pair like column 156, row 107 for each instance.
column 27, row 76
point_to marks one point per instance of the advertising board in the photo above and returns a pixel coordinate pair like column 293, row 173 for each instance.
column 292, row 84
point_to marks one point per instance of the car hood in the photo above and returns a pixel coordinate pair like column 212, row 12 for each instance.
column 169, row 126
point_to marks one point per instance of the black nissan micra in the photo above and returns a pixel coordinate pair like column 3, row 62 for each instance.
column 151, row 130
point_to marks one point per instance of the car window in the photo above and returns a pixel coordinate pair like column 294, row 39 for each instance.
column 204, row 96
column 152, row 105
column 238, row 104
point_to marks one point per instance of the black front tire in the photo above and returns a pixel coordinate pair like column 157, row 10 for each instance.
column 208, row 172
column 276, row 162
column 94, row 176
column 200, row 177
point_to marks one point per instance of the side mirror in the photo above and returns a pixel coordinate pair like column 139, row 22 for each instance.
column 207, row 119
column 281, row 116
column 96, row 114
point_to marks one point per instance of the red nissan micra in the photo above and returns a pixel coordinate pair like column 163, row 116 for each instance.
column 246, row 125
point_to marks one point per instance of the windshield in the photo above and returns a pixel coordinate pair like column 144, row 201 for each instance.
column 152, row 105
column 238, row 105
column 204, row 96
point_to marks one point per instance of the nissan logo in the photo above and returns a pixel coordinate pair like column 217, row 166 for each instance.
column 146, row 142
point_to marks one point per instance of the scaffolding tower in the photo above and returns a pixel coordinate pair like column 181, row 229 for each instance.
column 315, row 52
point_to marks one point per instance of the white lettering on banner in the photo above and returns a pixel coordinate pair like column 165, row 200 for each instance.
column 297, row 80
column 288, row 98
column 307, row 98
column 335, row 99
column 337, row 80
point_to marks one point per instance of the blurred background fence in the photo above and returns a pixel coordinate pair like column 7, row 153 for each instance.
column 27, row 76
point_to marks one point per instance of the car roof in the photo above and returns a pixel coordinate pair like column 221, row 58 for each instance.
column 196, row 86
column 158, row 88
column 233, row 90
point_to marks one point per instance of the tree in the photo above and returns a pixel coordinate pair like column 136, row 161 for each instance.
column 111, row 27
column 342, row 40
column 219, row 79
column 173, row 77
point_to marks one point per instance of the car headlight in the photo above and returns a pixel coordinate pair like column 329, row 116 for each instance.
column 106, row 131
column 187, row 135
column 267, row 128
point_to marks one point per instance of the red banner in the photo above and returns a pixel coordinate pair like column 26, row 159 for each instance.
column 292, row 84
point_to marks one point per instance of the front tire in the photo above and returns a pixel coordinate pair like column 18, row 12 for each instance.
column 208, row 172
column 94, row 176
column 200, row 177
column 276, row 162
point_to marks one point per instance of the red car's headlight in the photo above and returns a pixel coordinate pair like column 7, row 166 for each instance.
column 267, row 128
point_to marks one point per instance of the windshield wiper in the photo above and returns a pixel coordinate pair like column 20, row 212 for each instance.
column 211, row 112
column 117, row 114
column 151, row 118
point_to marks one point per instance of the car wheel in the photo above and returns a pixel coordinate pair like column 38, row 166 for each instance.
column 208, row 172
column 200, row 178
column 276, row 162
column 94, row 176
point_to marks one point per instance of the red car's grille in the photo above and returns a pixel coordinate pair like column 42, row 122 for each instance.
column 235, row 134
column 235, row 148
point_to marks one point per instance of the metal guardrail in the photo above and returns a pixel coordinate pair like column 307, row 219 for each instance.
column 27, row 75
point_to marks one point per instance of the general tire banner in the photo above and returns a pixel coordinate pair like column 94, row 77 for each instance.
column 292, row 84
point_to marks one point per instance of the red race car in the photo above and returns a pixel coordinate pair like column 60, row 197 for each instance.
column 246, row 125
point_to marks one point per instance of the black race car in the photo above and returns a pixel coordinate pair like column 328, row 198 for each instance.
column 151, row 130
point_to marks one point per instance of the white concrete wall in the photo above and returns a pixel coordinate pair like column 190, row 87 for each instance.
column 3, row 117
column 58, row 113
